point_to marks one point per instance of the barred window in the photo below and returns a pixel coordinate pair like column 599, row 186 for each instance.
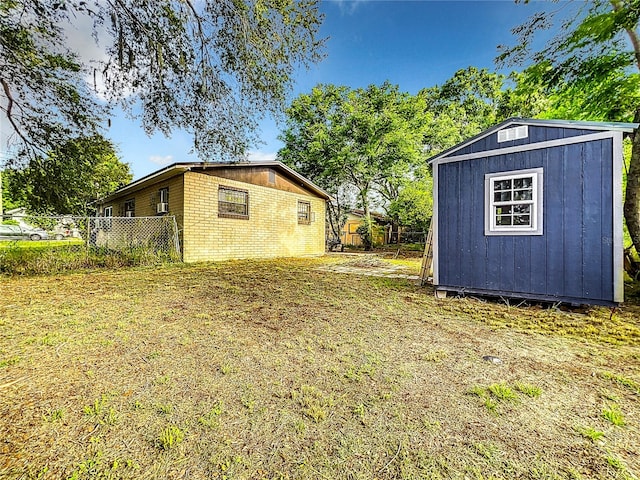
column 233, row 203
column 304, row 212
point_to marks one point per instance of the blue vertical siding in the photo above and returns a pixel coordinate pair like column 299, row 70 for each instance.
column 573, row 259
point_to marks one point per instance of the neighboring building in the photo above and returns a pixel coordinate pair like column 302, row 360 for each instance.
column 230, row 210
column 532, row 209
column 18, row 215
column 351, row 237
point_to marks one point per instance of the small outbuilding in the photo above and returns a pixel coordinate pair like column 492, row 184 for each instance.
column 532, row 209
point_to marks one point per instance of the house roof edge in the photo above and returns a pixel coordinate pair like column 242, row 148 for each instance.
column 182, row 167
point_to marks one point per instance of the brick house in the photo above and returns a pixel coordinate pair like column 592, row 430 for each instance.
column 230, row 210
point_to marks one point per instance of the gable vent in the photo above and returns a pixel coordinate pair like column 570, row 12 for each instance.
column 514, row 133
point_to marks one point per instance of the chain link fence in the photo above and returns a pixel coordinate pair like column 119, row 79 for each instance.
column 408, row 237
column 102, row 240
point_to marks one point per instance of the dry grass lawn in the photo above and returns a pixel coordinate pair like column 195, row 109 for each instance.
column 275, row 369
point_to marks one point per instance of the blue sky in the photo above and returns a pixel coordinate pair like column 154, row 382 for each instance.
column 413, row 44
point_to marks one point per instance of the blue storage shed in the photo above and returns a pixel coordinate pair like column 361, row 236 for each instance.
column 532, row 209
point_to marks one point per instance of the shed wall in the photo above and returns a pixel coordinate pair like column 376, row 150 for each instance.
column 572, row 260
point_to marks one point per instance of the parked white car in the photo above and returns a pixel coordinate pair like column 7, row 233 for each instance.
column 17, row 232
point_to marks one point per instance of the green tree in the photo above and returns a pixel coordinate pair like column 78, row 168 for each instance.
column 473, row 100
column 67, row 179
column 212, row 68
column 590, row 72
column 413, row 207
column 364, row 138
column 312, row 147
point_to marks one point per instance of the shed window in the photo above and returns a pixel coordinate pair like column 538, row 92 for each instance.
column 513, row 203
column 233, row 203
column 304, row 212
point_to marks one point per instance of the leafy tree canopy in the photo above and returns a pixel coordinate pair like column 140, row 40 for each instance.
column 589, row 72
column 67, row 179
column 212, row 68
column 473, row 100
column 367, row 139
column 413, row 207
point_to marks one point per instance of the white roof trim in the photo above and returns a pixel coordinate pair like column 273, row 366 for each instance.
column 527, row 147
column 577, row 124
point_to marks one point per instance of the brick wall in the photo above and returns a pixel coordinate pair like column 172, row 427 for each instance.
column 272, row 229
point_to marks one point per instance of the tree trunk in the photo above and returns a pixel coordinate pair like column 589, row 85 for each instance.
column 368, row 240
column 632, row 198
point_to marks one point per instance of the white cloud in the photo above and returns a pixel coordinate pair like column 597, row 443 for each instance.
column 254, row 156
column 348, row 7
column 160, row 160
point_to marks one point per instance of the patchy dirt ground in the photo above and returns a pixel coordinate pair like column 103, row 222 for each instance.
column 280, row 370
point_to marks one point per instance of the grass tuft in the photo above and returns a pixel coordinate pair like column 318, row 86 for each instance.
column 624, row 381
column 614, row 415
column 170, row 437
column 502, row 392
column 528, row 389
column 590, row 433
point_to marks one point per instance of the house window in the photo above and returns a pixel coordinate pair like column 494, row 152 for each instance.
column 163, row 194
column 233, row 203
column 304, row 212
column 272, row 177
column 353, row 227
column 107, row 213
column 513, row 203
column 163, row 201
column 130, row 208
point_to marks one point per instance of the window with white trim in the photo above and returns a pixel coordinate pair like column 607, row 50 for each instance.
column 513, row 202
column 130, row 208
column 107, row 213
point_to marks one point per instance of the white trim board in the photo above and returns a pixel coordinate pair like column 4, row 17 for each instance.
column 618, row 241
column 528, row 147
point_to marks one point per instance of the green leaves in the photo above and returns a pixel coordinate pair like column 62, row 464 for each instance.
column 211, row 68
column 589, row 71
column 67, row 178
column 361, row 143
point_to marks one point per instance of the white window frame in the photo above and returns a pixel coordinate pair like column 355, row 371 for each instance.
column 163, row 194
column 130, row 207
column 535, row 214
column 108, row 211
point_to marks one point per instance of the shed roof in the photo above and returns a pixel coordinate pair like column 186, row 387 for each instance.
column 583, row 125
column 180, row 168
